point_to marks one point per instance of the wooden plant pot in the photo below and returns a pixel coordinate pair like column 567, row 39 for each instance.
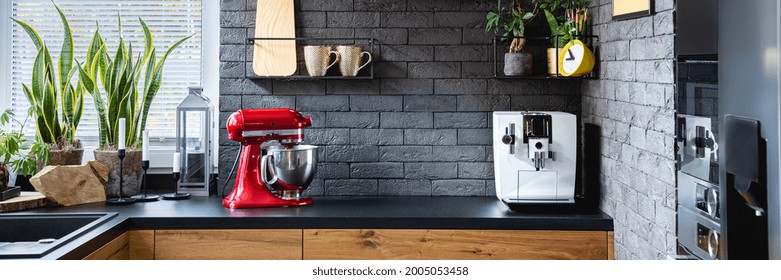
column 132, row 173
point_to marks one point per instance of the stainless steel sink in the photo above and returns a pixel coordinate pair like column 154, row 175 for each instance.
column 34, row 235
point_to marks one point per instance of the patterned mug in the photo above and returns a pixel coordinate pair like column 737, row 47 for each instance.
column 317, row 59
column 351, row 60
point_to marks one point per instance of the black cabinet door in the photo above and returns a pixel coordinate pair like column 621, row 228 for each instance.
column 696, row 24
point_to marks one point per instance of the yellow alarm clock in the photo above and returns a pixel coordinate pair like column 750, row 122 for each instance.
column 575, row 59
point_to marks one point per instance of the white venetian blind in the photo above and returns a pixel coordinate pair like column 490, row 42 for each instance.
column 169, row 21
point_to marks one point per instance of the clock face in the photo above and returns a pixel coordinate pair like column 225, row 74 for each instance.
column 573, row 57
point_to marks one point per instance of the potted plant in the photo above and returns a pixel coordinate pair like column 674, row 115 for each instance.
column 56, row 104
column 118, row 80
column 559, row 38
column 564, row 27
column 576, row 16
column 17, row 155
column 512, row 19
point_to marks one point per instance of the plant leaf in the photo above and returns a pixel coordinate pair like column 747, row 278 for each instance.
column 100, row 106
column 93, row 51
column 78, row 109
column 148, row 40
column 69, row 95
column 30, row 32
column 50, row 111
column 39, row 71
column 66, row 52
column 30, row 97
column 5, row 117
column 148, row 46
column 171, row 48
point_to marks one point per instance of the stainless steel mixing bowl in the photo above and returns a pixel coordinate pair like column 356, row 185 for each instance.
column 289, row 169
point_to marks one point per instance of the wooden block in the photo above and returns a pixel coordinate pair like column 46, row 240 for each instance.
column 271, row 244
column 453, row 244
column 142, row 244
column 72, row 184
column 117, row 249
column 275, row 19
column 27, row 200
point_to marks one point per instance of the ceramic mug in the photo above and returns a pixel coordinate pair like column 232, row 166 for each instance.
column 351, row 60
column 317, row 59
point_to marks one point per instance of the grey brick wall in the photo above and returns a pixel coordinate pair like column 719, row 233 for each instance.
column 422, row 126
column 633, row 103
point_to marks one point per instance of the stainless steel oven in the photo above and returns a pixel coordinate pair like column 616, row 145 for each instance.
column 699, row 216
column 697, row 129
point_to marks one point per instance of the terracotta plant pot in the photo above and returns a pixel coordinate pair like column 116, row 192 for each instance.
column 553, row 67
column 517, row 64
column 132, row 173
column 63, row 157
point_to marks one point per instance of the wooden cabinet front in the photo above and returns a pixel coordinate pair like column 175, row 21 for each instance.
column 276, row 244
column 366, row 244
column 454, row 244
column 117, row 249
column 131, row 245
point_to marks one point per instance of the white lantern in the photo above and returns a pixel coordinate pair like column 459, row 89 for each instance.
column 193, row 142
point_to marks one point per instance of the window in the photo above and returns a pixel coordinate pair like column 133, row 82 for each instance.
column 169, row 21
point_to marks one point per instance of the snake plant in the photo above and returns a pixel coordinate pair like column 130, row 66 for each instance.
column 51, row 87
column 115, row 85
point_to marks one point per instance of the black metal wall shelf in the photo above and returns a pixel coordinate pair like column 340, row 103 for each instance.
column 333, row 74
column 539, row 46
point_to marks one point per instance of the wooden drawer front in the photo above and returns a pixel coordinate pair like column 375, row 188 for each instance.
column 454, row 244
column 117, row 249
column 142, row 244
column 283, row 244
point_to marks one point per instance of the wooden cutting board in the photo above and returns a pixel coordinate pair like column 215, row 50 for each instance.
column 28, row 200
column 275, row 19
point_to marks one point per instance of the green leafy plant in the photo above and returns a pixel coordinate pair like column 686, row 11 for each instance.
column 15, row 149
column 51, row 87
column 511, row 19
column 116, row 88
column 559, row 32
column 577, row 16
column 571, row 24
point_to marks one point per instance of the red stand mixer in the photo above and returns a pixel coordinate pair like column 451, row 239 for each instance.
column 279, row 177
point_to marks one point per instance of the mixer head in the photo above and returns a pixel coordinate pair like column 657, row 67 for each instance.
column 262, row 125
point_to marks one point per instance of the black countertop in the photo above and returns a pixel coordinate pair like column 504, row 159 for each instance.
column 326, row 212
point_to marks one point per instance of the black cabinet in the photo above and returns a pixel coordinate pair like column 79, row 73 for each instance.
column 697, row 27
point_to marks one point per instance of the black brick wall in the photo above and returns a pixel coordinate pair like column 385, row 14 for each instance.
column 422, row 126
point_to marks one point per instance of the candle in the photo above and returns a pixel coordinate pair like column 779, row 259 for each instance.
column 121, row 142
column 145, row 143
column 176, row 163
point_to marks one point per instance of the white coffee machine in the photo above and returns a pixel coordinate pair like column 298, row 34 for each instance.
column 535, row 156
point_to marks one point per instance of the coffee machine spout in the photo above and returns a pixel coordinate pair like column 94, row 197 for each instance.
column 539, row 151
